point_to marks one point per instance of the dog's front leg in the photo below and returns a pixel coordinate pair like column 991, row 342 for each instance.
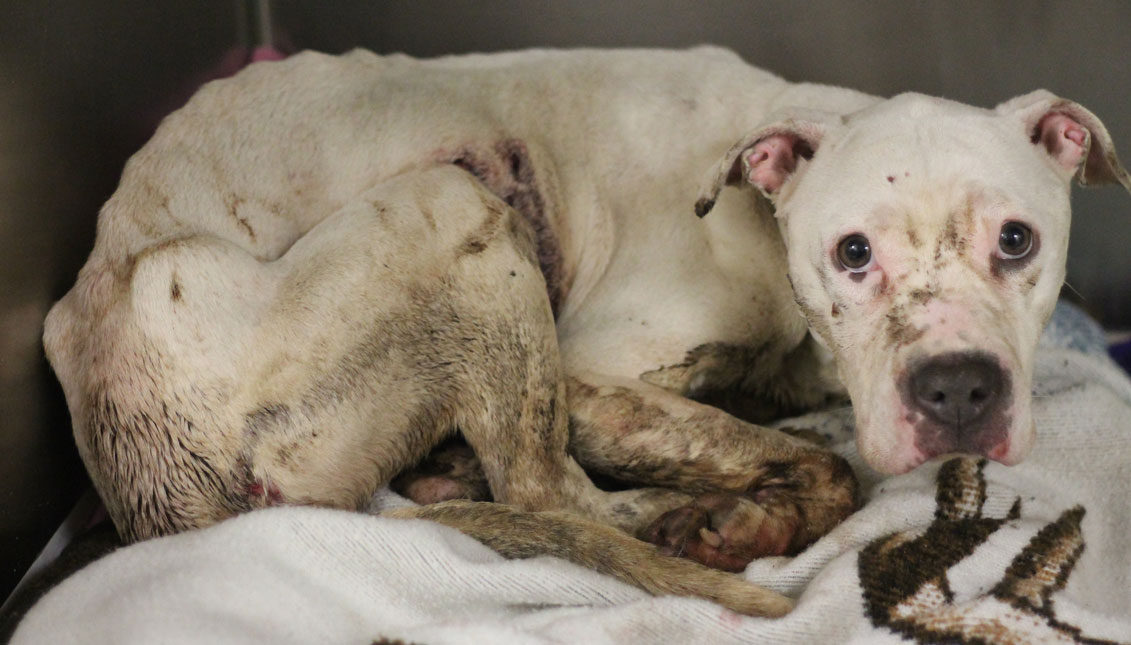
column 761, row 492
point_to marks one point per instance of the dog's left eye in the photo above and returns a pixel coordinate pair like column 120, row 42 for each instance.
column 854, row 253
column 1015, row 240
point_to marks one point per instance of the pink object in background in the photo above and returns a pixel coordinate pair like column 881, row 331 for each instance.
column 266, row 52
column 259, row 42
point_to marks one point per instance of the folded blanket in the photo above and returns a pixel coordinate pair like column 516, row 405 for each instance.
column 958, row 550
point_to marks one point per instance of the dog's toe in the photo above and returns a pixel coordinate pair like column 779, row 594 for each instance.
column 724, row 531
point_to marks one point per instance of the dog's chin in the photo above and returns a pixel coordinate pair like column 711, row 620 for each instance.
column 885, row 442
column 895, row 446
column 896, row 457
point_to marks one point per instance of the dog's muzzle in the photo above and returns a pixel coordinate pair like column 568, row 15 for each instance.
column 958, row 402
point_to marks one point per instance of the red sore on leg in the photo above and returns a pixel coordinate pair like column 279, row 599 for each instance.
column 268, row 494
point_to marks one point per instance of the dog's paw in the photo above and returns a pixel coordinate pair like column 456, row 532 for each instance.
column 725, row 531
column 450, row 471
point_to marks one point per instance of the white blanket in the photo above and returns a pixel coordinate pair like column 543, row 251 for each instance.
column 954, row 551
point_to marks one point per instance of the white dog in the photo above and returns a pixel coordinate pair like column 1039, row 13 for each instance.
column 318, row 270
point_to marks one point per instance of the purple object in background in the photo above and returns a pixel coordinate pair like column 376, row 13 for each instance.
column 1121, row 352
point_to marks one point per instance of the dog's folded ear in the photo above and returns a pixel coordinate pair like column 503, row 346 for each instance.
column 767, row 157
column 1074, row 138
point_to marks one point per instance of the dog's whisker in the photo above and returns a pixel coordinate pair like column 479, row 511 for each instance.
column 1073, row 290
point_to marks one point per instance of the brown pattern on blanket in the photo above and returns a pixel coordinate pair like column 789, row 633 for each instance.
column 904, row 575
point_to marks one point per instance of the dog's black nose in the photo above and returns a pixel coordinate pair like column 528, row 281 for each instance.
column 957, row 390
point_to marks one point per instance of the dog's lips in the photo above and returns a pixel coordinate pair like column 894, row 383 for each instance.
column 913, row 449
column 1001, row 452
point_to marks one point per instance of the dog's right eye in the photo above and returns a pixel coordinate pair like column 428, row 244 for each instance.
column 854, row 253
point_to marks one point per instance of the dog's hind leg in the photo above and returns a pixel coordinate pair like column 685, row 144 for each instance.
column 508, row 398
column 761, row 492
column 510, row 394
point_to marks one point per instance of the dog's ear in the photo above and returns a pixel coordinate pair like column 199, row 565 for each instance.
column 1074, row 138
column 767, row 157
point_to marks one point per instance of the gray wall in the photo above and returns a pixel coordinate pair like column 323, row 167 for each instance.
column 83, row 83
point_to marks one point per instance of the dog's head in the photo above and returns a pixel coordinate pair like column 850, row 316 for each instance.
column 927, row 243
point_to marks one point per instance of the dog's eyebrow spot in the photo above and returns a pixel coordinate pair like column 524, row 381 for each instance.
column 953, row 242
column 175, row 290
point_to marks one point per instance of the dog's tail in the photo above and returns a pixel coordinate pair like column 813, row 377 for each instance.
column 521, row 534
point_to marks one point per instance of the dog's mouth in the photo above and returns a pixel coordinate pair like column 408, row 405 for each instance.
column 958, row 402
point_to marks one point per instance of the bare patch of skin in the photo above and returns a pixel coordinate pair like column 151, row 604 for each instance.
column 506, row 169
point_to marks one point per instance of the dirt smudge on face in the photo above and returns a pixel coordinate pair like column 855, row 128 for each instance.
column 900, row 331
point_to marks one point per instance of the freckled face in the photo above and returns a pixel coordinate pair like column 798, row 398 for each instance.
column 930, row 277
